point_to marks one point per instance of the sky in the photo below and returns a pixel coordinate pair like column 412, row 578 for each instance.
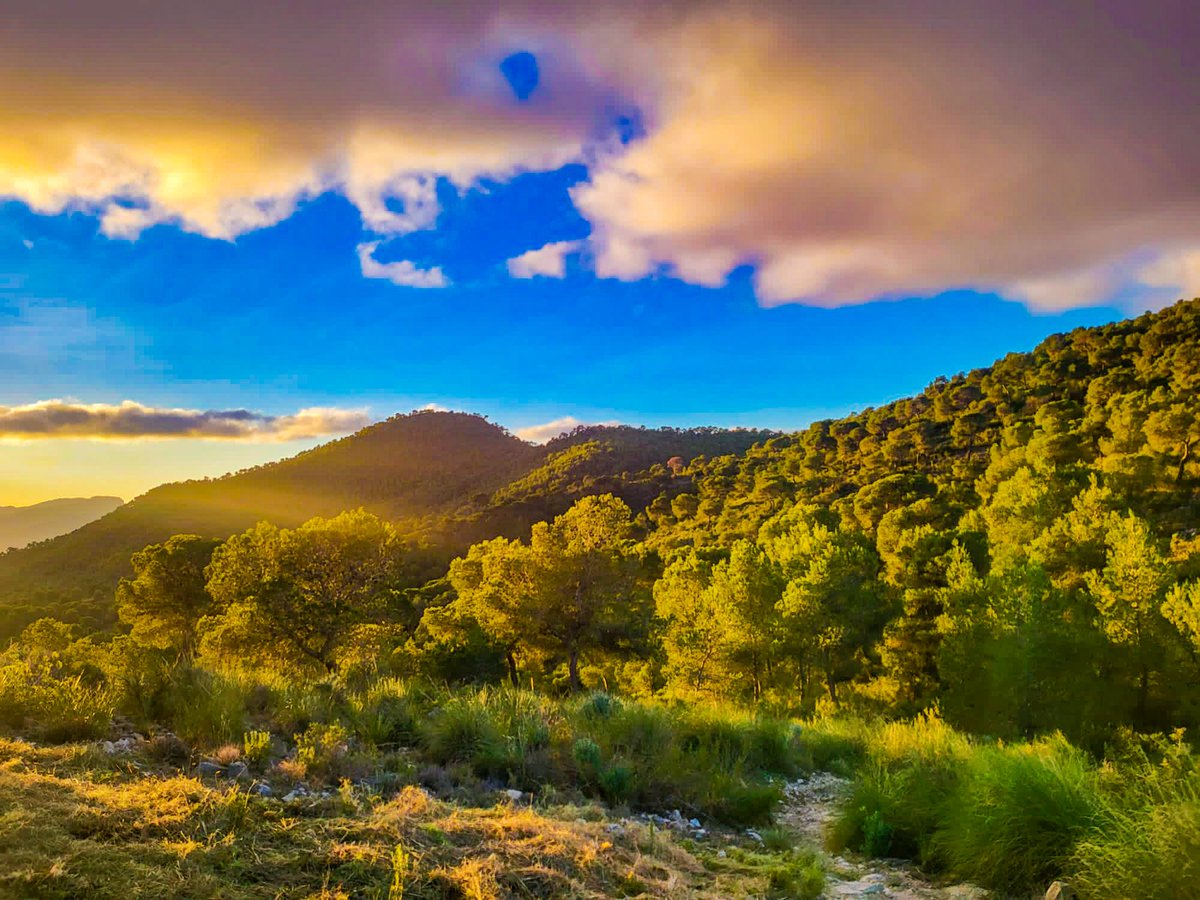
column 231, row 231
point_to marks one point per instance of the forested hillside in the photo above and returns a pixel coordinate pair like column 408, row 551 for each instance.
column 445, row 478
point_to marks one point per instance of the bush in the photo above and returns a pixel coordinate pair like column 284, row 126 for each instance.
column 386, row 714
column 256, row 747
column 737, row 801
column 462, row 730
column 322, row 750
column 1146, row 845
column 1014, row 821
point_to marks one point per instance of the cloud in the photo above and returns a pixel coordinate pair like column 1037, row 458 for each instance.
column 129, row 421
column 844, row 153
column 547, row 431
column 849, row 154
column 402, row 272
column 549, row 261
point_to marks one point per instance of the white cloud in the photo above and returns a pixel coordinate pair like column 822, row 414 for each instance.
column 402, row 272
column 1178, row 272
column 129, row 421
column 547, row 431
column 549, row 260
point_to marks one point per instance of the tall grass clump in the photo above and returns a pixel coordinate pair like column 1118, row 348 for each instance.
column 203, row 708
column 901, row 790
column 52, row 709
column 462, row 730
column 1018, row 813
column 387, row 713
column 1147, row 843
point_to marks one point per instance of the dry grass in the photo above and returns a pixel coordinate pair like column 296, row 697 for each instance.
column 74, row 822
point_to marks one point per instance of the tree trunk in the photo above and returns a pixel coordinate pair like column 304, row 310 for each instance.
column 573, row 669
column 1143, row 695
column 514, row 675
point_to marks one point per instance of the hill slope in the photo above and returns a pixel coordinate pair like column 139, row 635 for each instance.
column 21, row 525
column 444, row 477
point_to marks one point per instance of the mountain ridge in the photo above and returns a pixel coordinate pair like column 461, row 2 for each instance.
column 24, row 525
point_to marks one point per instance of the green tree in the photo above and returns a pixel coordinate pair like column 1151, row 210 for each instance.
column 1128, row 594
column 166, row 598
column 831, row 602
column 295, row 596
column 698, row 628
column 574, row 588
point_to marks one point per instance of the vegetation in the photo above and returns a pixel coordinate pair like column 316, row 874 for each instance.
column 936, row 586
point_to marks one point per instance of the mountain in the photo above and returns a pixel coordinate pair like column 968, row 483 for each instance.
column 21, row 525
column 446, row 478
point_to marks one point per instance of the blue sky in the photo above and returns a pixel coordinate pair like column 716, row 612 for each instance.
column 282, row 318
column 228, row 233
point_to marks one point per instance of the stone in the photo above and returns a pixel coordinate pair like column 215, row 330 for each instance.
column 237, row 769
column 1060, row 890
column 292, row 796
column 695, row 823
column 754, row 836
column 871, row 890
column 260, row 789
column 722, row 854
column 208, row 767
column 513, row 794
column 615, row 829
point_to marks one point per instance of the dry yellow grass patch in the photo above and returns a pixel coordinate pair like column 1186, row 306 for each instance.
column 76, row 823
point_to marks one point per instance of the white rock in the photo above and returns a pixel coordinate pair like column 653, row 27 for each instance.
column 513, row 794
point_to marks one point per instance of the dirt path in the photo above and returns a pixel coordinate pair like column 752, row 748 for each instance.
column 810, row 802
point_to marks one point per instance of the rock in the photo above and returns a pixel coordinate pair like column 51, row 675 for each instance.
column 513, row 794
column 292, row 797
column 754, row 836
column 875, row 878
column 237, row 769
column 615, row 829
column 721, row 854
column 871, row 890
column 1059, row 891
column 260, row 789
column 208, row 767
column 695, row 823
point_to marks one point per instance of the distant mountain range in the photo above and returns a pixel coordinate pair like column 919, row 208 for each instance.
column 22, row 525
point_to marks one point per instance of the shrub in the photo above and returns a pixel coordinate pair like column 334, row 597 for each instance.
column 599, row 706
column 461, row 730
column 386, row 714
column 322, row 749
column 256, row 747
column 736, row 801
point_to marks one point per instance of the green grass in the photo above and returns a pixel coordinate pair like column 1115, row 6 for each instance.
column 1014, row 817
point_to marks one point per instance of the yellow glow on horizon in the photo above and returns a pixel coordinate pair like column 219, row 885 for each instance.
column 33, row 471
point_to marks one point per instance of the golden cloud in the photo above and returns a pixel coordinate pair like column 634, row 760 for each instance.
column 845, row 151
column 130, row 421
